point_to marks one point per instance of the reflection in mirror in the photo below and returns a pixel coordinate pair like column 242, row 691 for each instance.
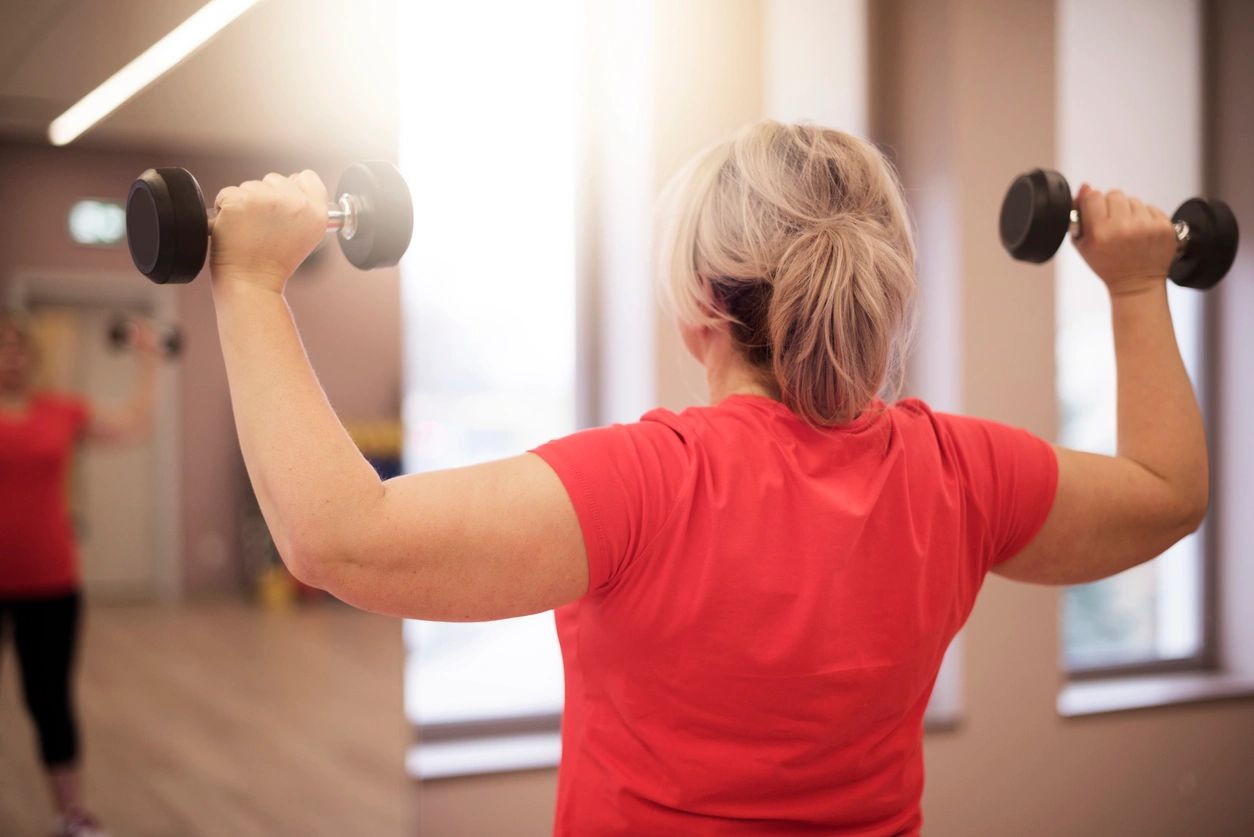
column 160, row 671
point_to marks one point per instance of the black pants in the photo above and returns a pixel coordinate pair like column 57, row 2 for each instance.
column 45, row 631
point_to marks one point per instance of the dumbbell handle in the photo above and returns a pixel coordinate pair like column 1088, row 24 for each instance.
column 1181, row 227
column 341, row 215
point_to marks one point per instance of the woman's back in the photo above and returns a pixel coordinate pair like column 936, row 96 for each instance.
column 768, row 608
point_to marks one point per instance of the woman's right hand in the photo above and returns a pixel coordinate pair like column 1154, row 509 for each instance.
column 1129, row 244
column 265, row 229
column 144, row 338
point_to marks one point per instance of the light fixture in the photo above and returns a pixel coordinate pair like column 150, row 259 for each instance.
column 147, row 67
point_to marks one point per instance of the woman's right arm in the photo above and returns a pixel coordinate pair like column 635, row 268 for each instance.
column 130, row 421
column 1111, row 513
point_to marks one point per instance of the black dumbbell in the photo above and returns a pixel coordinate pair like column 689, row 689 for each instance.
column 1038, row 212
column 120, row 334
column 168, row 226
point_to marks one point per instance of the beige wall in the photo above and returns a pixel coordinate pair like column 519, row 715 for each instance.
column 350, row 323
column 963, row 92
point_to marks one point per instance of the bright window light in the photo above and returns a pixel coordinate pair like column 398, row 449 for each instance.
column 487, row 122
column 1153, row 613
column 147, row 67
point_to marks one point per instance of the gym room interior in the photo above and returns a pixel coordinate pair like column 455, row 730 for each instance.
column 218, row 694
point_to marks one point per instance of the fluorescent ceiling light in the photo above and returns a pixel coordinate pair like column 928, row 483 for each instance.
column 151, row 64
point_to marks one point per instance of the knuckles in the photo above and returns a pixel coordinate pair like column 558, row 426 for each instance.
column 275, row 206
column 268, row 201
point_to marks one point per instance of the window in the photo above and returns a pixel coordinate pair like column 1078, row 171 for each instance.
column 487, row 142
column 1147, row 140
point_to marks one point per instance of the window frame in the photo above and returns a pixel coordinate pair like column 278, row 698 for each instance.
column 1207, row 659
column 1206, row 363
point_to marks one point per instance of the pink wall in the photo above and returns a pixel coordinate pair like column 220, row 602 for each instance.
column 350, row 322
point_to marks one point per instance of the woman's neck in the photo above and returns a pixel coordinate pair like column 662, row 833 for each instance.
column 727, row 373
column 15, row 400
column 736, row 379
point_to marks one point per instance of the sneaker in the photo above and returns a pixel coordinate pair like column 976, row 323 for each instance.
column 78, row 824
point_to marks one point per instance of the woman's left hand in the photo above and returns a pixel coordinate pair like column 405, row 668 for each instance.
column 265, row 229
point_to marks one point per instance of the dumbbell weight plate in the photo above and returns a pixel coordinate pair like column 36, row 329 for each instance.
column 1212, row 245
column 119, row 333
column 172, row 342
column 167, row 229
column 385, row 214
column 1035, row 215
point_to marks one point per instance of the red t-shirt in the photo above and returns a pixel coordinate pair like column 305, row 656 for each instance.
column 37, row 551
column 767, row 610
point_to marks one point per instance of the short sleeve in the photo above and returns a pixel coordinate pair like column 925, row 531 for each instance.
column 80, row 413
column 625, row 481
column 1010, row 477
column 76, row 411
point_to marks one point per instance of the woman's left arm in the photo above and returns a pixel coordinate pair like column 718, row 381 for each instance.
column 132, row 420
column 485, row 542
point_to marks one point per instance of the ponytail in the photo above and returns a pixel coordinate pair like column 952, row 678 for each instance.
column 797, row 240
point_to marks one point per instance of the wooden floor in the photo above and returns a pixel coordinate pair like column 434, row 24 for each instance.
column 220, row 719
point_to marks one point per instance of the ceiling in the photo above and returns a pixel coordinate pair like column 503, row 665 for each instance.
column 300, row 76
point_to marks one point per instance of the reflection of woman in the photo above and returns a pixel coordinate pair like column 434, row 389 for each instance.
column 754, row 597
column 39, row 583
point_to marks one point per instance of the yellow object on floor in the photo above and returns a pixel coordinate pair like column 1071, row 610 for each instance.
column 276, row 589
column 377, row 439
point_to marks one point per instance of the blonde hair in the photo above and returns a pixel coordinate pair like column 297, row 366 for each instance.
column 796, row 238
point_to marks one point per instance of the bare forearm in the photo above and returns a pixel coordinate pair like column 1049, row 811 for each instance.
column 132, row 420
column 1159, row 422
column 1112, row 513
column 138, row 408
column 309, row 477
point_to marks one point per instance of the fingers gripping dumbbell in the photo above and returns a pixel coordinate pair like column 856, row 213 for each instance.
column 121, row 335
column 1038, row 212
column 168, row 226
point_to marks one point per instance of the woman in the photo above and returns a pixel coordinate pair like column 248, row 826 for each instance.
column 753, row 597
column 39, row 581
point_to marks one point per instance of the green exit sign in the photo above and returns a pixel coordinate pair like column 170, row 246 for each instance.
column 97, row 223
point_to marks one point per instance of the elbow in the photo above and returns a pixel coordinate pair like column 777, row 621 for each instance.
column 310, row 559
column 304, row 565
column 133, row 429
column 1190, row 512
column 323, row 545
column 1195, row 510
column 1197, row 499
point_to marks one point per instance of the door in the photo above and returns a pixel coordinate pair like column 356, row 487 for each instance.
column 113, row 485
